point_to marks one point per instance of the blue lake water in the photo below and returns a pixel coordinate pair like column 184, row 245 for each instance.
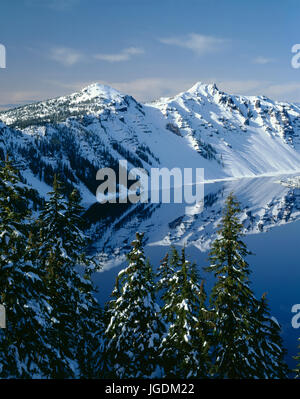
column 271, row 217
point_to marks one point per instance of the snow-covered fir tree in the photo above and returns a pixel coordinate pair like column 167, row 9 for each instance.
column 237, row 337
column 25, row 351
column 164, row 275
column 133, row 333
column 76, row 322
column 184, row 348
column 268, row 344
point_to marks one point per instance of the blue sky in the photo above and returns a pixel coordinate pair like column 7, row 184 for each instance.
column 148, row 48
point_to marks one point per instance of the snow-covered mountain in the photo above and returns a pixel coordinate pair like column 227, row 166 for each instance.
column 75, row 135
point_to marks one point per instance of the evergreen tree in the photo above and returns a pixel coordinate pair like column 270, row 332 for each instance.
column 184, row 349
column 164, row 273
column 166, row 283
column 24, row 344
column 134, row 330
column 238, row 319
column 268, row 344
column 90, row 325
column 297, row 370
column 76, row 322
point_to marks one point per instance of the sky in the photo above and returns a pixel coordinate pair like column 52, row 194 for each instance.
column 148, row 48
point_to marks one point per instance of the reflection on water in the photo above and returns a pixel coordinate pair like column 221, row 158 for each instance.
column 265, row 204
column 270, row 216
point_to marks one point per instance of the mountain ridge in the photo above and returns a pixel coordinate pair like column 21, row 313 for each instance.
column 229, row 136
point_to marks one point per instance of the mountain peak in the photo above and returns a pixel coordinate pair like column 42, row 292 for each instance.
column 100, row 90
column 203, row 88
column 90, row 100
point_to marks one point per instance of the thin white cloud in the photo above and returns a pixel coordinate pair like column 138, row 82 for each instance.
column 124, row 55
column 68, row 86
column 12, row 98
column 199, row 44
column 288, row 90
column 262, row 60
column 69, row 57
column 66, row 56
column 245, row 87
column 148, row 89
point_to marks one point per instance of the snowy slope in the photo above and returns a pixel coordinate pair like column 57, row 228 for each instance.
column 250, row 135
column 75, row 135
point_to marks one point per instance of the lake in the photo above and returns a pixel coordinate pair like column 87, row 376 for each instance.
column 271, row 218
